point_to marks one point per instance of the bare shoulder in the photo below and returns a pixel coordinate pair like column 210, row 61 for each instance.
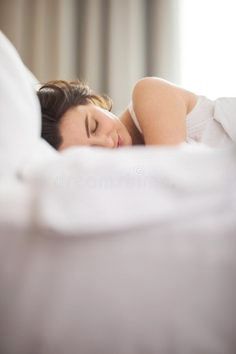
column 153, row 88
column 161, row 109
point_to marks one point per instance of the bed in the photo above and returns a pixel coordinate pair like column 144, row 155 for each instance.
column 127, row 252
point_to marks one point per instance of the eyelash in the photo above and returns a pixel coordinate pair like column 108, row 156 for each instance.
column 92, row 132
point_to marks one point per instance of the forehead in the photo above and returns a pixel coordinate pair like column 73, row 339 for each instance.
column 73, row 115
column 72, row 127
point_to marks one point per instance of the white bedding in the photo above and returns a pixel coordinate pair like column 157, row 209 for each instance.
column 88, row 190
column 101, row 251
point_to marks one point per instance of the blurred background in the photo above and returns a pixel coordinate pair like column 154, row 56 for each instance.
column 112, row 43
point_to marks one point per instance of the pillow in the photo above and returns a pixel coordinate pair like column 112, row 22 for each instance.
column 20, row 122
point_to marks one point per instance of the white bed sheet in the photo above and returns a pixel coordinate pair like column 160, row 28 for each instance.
column 90, row 190
column 88, row 270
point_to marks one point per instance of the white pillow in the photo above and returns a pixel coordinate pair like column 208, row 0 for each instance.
column 20, row 122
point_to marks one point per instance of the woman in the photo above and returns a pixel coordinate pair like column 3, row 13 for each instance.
column 160, row 113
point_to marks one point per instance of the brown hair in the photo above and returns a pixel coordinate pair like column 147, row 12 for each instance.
column 56, row 97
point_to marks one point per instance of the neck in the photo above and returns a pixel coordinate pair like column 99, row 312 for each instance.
column 126, row 119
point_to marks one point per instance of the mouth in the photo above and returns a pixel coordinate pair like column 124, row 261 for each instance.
column 119, row 142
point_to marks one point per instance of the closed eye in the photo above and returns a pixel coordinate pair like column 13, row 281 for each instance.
column 94, row 130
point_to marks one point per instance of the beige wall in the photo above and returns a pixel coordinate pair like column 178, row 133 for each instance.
column 109, row 43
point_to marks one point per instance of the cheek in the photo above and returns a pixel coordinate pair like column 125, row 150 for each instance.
column 119, row 124
column 109, row 121
column 116, row 121
column 112, row 124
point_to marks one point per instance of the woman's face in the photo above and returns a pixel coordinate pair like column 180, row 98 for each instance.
column 92, row 125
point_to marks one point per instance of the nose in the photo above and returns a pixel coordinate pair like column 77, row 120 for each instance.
column 106, row 141
column 107, row 135
column 110, row 142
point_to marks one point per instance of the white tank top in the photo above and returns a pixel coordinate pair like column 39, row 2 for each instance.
column 210, row 122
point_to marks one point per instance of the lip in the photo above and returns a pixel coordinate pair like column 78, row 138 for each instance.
column 120, row 142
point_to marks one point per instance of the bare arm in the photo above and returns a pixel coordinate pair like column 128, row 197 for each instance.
column 161, row 110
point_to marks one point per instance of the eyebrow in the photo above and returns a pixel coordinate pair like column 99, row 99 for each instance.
column 87, row 126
